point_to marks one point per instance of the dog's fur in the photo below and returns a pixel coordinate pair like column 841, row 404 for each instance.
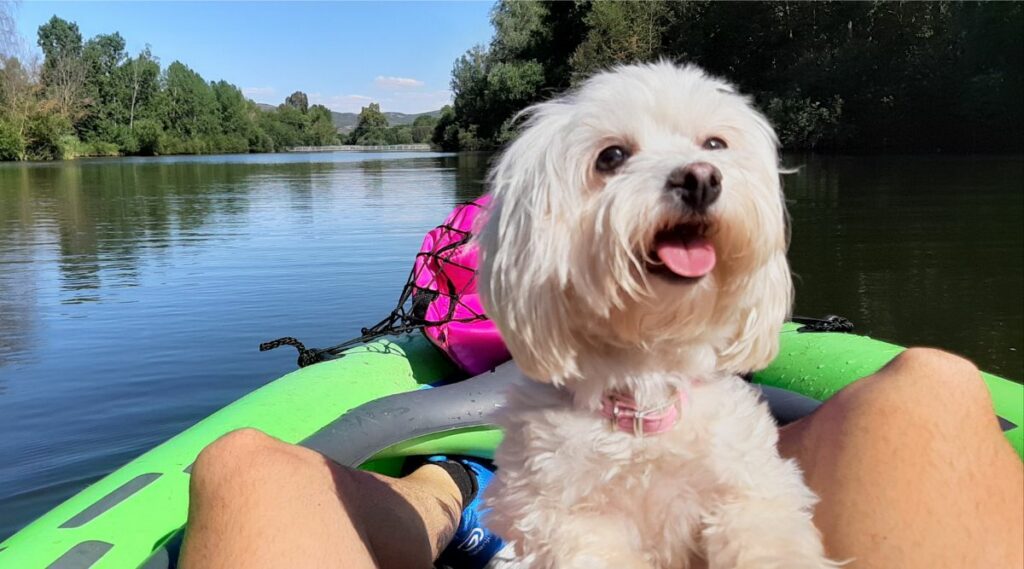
column 565, row 274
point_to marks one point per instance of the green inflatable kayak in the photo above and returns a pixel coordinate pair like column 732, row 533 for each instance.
column 368, row 409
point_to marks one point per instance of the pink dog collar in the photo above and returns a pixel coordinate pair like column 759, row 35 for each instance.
column 623, row 414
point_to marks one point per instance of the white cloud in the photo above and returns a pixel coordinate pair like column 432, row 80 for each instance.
column 259, row 92
column 388, row 82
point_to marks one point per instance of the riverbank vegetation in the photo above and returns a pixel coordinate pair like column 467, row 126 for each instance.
column 92, row 98
column 372, row 129
column 834, row 76
column 841, row 76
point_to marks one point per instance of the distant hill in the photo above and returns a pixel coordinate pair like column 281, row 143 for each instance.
column 345, row 122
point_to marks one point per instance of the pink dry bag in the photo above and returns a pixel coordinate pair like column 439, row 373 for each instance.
column 445, row 298
column 444, row 301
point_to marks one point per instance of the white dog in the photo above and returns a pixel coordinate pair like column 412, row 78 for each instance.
column 634, row 260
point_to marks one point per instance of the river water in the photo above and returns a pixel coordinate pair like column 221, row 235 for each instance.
column 133, row 292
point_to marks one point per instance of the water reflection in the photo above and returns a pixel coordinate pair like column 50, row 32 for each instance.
column 919, row 250
column 98, row 221
column 106, row 213
column 18, row 302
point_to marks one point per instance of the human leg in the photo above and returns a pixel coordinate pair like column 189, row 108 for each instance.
column 258, row 502
column 912, row 469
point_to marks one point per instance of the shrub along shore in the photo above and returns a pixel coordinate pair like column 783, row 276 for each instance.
column 92, row 98
column 835, row 76
column 832, row 76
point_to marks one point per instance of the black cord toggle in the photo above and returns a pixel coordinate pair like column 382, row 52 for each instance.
column 830, row 323
column 307, row 356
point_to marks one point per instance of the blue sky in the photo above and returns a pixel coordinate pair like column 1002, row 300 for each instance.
column 342, row 54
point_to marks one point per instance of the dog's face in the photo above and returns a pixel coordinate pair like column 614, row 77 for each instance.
column 642, row 212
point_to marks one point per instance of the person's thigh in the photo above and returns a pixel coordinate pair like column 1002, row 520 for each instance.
column 258, row 502
column 912, row 469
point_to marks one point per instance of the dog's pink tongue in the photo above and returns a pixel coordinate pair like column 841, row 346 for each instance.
column 686, row 257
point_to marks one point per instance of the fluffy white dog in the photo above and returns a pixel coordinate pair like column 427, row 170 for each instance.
column 634, row 260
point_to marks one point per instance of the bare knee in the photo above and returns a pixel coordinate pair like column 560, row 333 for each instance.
column 239, row 459
column 930, row 364
column 231, row 449
column 935, row 375
column 923, row 385
column 240, row 441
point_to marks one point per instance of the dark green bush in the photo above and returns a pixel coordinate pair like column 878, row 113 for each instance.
column 12, row 145
column 147, row 134
column 45, row 137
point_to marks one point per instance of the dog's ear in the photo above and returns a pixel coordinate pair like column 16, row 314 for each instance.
column 525, row 244
column 766, row 306
column 767, row 297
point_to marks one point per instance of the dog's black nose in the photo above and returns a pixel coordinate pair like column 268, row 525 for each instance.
column 698, row 184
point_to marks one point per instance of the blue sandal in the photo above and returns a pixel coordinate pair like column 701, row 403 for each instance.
column 473, row 545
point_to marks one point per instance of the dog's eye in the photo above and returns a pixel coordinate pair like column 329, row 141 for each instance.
column 611, row 158
column 715, row 143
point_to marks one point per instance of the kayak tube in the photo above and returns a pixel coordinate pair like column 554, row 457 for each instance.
column 369, row 409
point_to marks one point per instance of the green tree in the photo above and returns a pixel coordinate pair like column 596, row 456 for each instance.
column 45, row 136
column 620, row 32
column 527, row 60
column 19, row 93
column 423, row 128
column 398, row 134
column 234, row 118
column 64, row 72
column 58, row 38
column 147, row 134
column 232, row 108
column 321, row 130
column 286, row 126
column 446, row 131
column 106, row 115
column 298, row 100
column 139, row 78
column 188, row 105
column 12, row 145
column 370, row 127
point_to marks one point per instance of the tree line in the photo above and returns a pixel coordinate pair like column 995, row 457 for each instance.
column 840, row 76
column 92, row 98
column 372, row 129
